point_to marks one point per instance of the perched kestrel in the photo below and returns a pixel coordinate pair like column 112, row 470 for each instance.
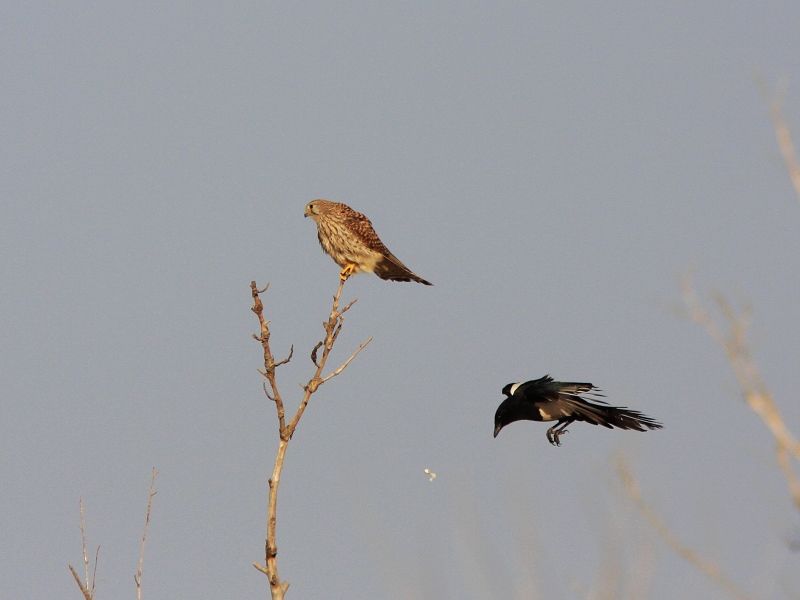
column 348, row 237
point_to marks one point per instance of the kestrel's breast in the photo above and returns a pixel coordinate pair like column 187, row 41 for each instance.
column 345, row 248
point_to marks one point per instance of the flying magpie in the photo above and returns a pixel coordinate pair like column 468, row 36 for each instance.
column 547, row 400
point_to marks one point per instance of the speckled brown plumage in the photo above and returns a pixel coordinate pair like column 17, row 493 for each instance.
column 348, row 237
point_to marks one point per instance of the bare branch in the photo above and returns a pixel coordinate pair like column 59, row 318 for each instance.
column 346, row 308
column 138, row 577
column 83, row 543
column 87, row 589
column 269, row 360
column 85, row 592
column 332, row 328
column 774, row 100
column 710, row 569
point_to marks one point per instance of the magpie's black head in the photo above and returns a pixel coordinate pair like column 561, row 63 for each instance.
column 501, row 416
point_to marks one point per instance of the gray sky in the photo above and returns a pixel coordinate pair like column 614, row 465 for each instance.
column 551, row 168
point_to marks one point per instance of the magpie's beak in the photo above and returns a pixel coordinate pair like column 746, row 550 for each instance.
column 497, row 429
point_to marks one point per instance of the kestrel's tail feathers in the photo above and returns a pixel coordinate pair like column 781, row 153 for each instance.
column 392, row 269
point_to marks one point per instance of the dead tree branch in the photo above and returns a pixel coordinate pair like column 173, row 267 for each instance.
column 83, row 543
column 732, row 338
column 87, row 588
column 710, row 569
column 285, row 431
column 138, row 577
column 86, row 594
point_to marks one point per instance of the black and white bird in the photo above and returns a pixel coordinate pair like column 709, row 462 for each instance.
column 547, row 400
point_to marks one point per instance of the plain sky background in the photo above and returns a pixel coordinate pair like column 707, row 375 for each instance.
column 552, row 168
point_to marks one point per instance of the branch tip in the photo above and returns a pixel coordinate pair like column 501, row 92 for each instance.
column 288, row 358
column 255, row 289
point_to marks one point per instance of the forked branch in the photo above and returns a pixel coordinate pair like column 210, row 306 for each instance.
column 138, row 577
column 285, row 431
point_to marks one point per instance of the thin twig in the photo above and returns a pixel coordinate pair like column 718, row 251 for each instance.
column 287, row 359
column 83, row 543
column 332, row 328
column 138, row 577
column 346, row 308
column 710, row 569
column 94, row 571
column 347, row 362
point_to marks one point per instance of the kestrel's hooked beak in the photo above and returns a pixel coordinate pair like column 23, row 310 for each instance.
column 306, row 212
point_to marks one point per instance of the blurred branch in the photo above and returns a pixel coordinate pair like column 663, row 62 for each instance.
column 138, row 577
column 732, row 338
column 774, row 100
column 333, row 327
column 710, row 569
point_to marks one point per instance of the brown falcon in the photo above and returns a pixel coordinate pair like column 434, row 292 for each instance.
column 348, row 237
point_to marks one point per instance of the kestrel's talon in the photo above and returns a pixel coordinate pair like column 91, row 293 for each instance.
column 347, row 271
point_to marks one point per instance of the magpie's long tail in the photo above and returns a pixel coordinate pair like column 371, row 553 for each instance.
column 611, row 416
column 628, row 419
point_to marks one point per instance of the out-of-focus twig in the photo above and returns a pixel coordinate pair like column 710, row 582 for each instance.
column 285, row 431
column 709, row 568
column 732, row 338
column 138, row 577
column 774, row 100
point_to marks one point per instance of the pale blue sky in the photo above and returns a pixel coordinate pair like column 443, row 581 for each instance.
column 551, row 168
